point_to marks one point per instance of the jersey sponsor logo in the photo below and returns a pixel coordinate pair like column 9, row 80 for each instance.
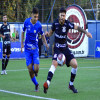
column 16, row 50
column 60, row 36
column 98, row 49
column 64, row 29
column 6, row 42
column 31, row 46
column 60, row 45
column 76, row 15
column 56, row 23
column 6, row 33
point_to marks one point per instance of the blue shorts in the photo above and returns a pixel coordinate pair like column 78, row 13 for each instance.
column 32, row 56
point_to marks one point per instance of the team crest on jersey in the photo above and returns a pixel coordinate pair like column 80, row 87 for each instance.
column 8, row 27
column 34, row 31
column 64, row 29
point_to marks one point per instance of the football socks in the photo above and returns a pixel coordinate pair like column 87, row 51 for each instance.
column 34, row 80
column 3, row 63
column 6, row 62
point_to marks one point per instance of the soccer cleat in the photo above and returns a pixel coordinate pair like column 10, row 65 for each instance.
column 71, row 87
column 2, row 72
column 45, row 85
column 37, row 88
column 5, row 72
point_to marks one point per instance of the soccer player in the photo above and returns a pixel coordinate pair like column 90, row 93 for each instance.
column 32, row 27
column 5, row 34
column 61, row 27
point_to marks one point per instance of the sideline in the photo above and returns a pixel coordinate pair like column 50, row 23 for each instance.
column 26, row 95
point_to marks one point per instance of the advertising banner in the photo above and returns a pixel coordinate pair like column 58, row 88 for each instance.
column 97, row 49
column 15, row 50
column 77, row 41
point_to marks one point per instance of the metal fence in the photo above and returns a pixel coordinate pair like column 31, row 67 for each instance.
column 19, row 10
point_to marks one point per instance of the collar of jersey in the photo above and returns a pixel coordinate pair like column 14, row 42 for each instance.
column 31, row 22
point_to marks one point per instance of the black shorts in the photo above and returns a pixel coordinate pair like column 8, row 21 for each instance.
column 6, row 49
column 68, row 54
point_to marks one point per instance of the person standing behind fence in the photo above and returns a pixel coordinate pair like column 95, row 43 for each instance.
column 5, row 34
column 32, row 27
column 40, row 43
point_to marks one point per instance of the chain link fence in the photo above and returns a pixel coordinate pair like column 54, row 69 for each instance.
column 19, row 10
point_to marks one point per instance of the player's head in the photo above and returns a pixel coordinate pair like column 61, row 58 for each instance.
column 35, row 14
column 62, row 14
column 4, row 18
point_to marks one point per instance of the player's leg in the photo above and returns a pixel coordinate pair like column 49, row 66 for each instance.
column 3, row 64
column 51, row 70
column 7, row 59
column 3, row 59
column 6, row 63
column 50, row 75
column 73, row 63
column 29, row 63
column 32, row 75
column 35, row 67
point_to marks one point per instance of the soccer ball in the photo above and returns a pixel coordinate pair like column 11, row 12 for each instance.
column 61, row 59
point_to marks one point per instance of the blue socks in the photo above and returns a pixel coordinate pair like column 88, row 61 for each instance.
column 34, row 80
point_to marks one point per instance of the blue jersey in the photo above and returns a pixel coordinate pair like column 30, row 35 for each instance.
column 32, row 32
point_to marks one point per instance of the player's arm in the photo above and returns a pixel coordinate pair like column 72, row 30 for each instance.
column 44, row 41
column 22, row 38
column 2, row 36
column 1, row 33
column 48, row 34
column 82, row 30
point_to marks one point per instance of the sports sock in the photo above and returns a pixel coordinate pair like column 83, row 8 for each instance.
column 3, row 63
column 6, row 62
column 33, row 67
column 73, row 74
column 50, row 74
column 34, row 80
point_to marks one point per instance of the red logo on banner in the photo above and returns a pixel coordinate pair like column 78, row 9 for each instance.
column 76, row 15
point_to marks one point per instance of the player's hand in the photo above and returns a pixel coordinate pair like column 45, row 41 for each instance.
column 3, row 37
column 47, row 46
column 12, row 39
column 47, row 34
column 22, row 47
column 89, row 35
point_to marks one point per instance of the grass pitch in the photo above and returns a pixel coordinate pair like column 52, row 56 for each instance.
column 17, row 80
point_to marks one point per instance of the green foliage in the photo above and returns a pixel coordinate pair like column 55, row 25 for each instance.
column 19, row 10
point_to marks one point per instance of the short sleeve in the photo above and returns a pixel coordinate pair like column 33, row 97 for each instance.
column 41, row 30
column 24, row 27
column 71, row 25
column 53, row 26
column 1, row 30
column 9, row 29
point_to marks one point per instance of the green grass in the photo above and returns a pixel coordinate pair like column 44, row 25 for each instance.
column 87, row 81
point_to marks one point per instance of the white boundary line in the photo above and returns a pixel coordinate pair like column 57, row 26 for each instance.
column 48, row 68
column 26, row 95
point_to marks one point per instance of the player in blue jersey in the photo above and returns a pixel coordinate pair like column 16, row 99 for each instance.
column 32, row 27
column 60, row 27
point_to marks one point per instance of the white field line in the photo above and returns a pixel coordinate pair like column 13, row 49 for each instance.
column 26, row 95
column 48, row 68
